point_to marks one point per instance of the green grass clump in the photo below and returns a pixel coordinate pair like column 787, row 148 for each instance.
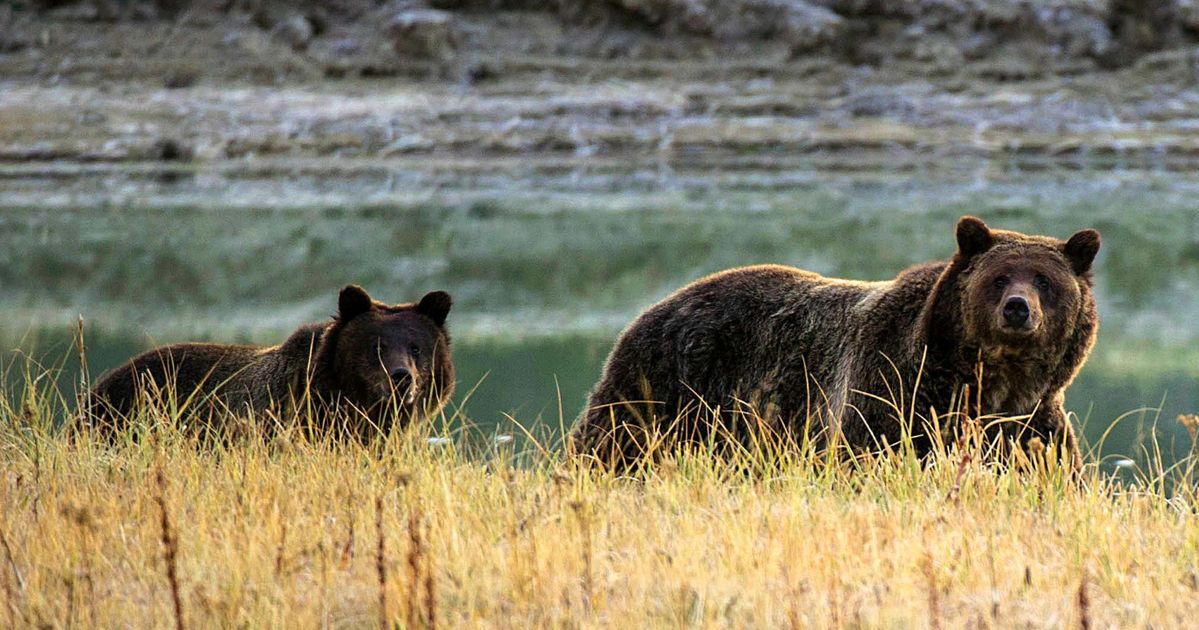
column 288, row 530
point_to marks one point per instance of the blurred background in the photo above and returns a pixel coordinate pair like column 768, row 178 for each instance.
column 178, row 170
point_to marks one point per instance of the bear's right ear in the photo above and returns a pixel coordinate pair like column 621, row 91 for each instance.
column 352, row 302
column 436, row 306
column 974, row 237
column 1081, row 250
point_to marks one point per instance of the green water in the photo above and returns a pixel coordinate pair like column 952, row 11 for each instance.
column 546, row 265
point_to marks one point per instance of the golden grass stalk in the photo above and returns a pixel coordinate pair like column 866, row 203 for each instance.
column 381, row 565
column 1084, row 604
column 934, row 608
column 170, row 547
column 416, row 551
column 430, row 593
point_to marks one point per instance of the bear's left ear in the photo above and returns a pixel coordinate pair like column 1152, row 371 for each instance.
column 352, row 302
column 1081, row 250
column 974, row 237
column 435, row 306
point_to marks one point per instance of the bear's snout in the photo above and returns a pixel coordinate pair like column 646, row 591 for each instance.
column 1016, row 312
column 401, row 377
column 404, row 382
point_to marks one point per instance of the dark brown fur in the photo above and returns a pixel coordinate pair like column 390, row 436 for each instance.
column 346, row 364
column 812, row 357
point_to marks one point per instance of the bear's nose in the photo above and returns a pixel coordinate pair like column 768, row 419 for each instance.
column 400, row 376
column 1015, row 312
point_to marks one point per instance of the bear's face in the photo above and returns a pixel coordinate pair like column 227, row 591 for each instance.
column 392, row 358
column 1020, row 293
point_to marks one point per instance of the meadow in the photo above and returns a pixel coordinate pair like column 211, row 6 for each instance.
column 287, row 529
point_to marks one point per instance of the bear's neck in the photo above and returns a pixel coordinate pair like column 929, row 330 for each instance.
column 306, row 355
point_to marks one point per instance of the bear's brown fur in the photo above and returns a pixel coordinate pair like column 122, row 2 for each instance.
column 376, row 363
column 1010, row 319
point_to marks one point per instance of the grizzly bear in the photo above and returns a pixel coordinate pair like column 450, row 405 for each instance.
column 998, row 331
column 376, row 364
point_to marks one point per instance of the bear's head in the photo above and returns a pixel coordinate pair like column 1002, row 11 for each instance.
column 391, row 362
column 1020, row 294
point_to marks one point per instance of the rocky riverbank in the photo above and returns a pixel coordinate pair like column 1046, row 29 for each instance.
column 853, row 82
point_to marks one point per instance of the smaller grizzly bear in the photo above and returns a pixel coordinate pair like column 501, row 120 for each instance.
column 999, row 331
column 376, row 363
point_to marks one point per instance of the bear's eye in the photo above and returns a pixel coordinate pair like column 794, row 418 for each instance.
column 1041, row 282
column 414, row 350
column 1000, row 282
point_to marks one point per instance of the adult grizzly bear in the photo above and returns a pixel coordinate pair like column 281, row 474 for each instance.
column 1010, row 320
column 376, row 363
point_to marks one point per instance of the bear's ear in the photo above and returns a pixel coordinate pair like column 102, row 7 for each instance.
column 352, row 302
column 435, row 306
column 974, row 237
column 1081, row 250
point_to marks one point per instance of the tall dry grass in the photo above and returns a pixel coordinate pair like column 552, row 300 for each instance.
column 287, row 530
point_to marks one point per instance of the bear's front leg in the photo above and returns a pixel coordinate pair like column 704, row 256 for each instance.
column 1051, row 424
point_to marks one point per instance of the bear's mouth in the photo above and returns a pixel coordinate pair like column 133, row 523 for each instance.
column 404, row 394
column 1021, row 331
column 1015, row 338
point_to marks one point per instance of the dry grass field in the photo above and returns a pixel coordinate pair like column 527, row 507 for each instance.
column 288, row 531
